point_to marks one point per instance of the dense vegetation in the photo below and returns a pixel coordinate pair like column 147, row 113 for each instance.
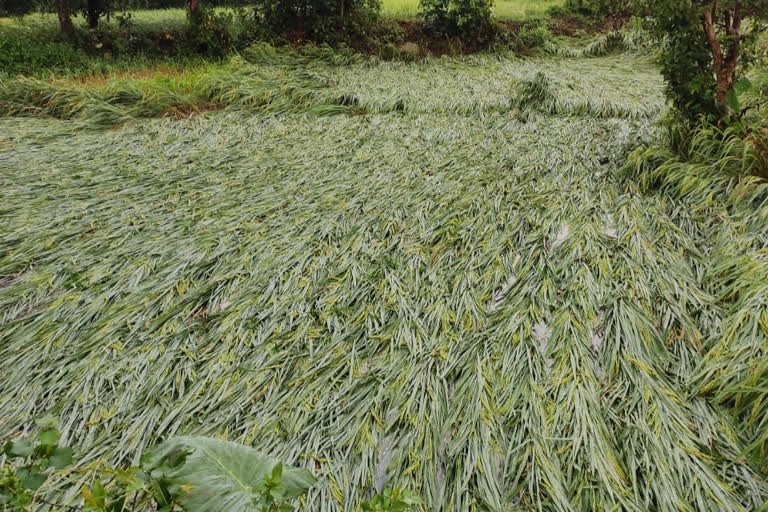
column 532, row 278
column 183, row 473
column 705, row 48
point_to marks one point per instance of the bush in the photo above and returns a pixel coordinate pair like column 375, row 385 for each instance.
column 601, row 7
column 468, row 19
column 531, row 36
column 319, row 20
column 20, row 53
column 212, row 33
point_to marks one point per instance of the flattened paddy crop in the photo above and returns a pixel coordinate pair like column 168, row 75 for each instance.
column 444, row 291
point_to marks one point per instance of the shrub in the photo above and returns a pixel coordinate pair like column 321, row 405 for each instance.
column 20, row 53
column 531, row 36
column 600, row 7
column 213, row 33
column 319, row 20
column 468, row 19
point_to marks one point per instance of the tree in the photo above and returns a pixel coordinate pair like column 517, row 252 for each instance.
column 725, row 21
column 94, row 10
column 703, row 50
column 65, row 17
column 193, row 11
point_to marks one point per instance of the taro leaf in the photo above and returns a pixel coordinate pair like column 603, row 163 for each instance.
column 61, row 458
column 219, row 475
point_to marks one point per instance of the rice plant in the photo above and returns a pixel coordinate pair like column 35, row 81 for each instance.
column 270, row 80
column 424, row 291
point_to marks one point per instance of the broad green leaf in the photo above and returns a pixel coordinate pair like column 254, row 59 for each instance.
column 47, row 422
column 733, row 101
column 20, row 448
column 33, row 481
column 49, row 437
column 219, row 475
column 61, row 457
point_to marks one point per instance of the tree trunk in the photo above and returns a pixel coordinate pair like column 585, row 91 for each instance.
column 725, row 64
column 93, row 14
column 341, row 10
column 65, row 18
column 194, row 11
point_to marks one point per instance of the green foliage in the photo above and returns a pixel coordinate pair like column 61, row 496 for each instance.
column 35, row 46
column 600, row 7
column 274, row 80
column 319, row 20
column 213, row 33
column 392, row 500
column 696, row 85
column 469, row 19
column 16, row 7
column 725, row 166
column 686, row 61
column 734, row 372
column 530, row 36
column 19, row 482
column 192, row 474
column 25, row 52
column 436, row 291
column 710, row 161
column 535, row 94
